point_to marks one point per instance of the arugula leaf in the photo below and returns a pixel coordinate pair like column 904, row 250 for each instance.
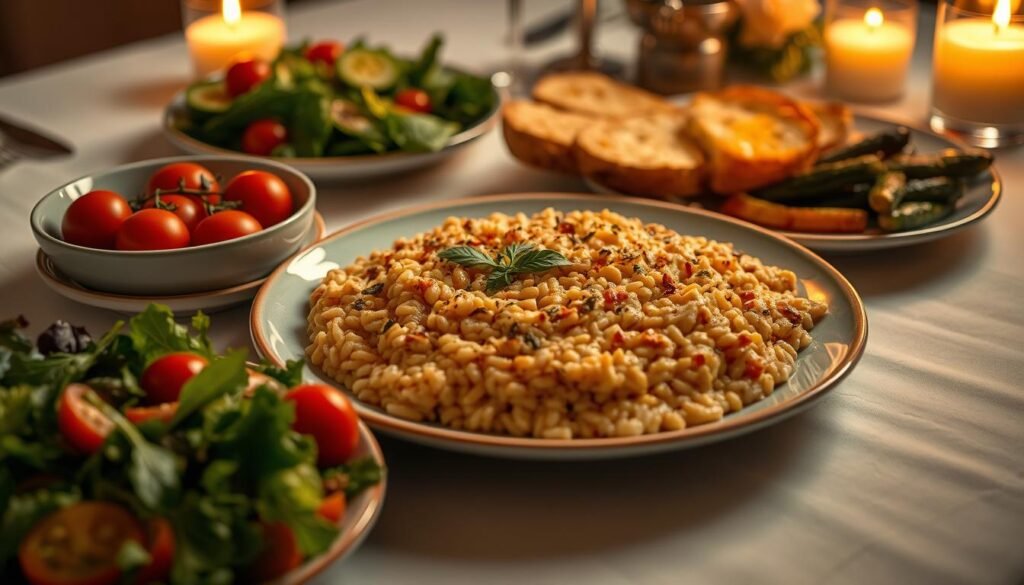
column 11, row 337
column 468, row 257
column 419, row 132
column 213, row 534
column 130, row 559
column 154, row 333
column 310, row 125
column 261, row 440
column 222, row 376
column 427, row 62
column 23, row 511
column 152, row 469
column 468, row 99
column 290, row 375
column 292, row 496
column 355, row 476
column 57, row 369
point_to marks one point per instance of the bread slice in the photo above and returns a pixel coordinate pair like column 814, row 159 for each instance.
column 594, row 94
column 647, row 155
column 835, row 121
column 753, row 136
column 542, row 136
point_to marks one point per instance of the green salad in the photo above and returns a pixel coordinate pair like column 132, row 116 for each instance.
column 325, row 99
column 144, row 456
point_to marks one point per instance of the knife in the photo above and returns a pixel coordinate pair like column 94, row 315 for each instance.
column 30, row 143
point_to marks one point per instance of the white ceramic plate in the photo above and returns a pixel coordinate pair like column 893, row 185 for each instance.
column 361, row 513
column 210, row 301
column 980, row 198
column 278, row 319
column 335, row 168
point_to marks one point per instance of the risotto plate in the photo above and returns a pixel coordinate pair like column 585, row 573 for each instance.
column 278, row 320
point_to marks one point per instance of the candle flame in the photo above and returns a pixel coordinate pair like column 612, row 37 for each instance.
column 231, row 10
column 873, row 18
column 1001, row 15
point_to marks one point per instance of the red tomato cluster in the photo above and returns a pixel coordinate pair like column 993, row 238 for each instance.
column 183, row 205
column 321, row 412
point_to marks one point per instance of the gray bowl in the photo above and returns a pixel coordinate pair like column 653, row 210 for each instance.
column 181, row 271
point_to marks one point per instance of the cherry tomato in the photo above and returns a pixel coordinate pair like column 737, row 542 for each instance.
column 263, row 195
column 191, row 175
column 280, row 553
column 225, row 225
column 140, row 414
column 414, row 99
column 263, row 136
column 327, row 415
column 82, row 424
column 78, row 545
column 153, row 229
column 325, row 52
column 188, row 209
column 332, row 508
column 93, row 219
column 244, row 75
column 161, row 552
column 163, row 379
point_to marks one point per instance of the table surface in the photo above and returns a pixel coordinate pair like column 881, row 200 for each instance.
column 911, row 471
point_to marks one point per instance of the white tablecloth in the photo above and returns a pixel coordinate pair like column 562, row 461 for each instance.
column 912, row 471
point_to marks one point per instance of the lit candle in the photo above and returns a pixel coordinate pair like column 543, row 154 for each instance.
column 217, row 39
column 979, row 68
column 867, row 59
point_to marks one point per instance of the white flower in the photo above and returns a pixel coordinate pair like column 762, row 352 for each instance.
column 768, row 23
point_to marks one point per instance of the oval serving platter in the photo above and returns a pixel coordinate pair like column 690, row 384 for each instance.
column 336, row 168
column 278, row 320
column 981, row 195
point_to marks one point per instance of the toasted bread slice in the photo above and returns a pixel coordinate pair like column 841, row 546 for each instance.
column 753, row 136
column 542, row 136
column 645, row 155
column 835, row 121
column 593, row 94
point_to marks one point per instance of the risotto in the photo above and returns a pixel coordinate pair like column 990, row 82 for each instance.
column 645, row 331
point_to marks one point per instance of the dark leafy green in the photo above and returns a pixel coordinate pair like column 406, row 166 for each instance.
column 514, row 259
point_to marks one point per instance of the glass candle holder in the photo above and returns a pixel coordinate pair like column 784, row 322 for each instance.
column 868, row 45
column 220, row 31
column 978, row 72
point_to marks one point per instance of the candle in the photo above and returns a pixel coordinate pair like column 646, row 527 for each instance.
column 215, row 40
column 867, row 59
column 979, row 69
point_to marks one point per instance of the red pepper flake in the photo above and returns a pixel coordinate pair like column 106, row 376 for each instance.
column 702, row 317
column 613, row 298
column 754, row 368
column 744, row 340
column 791, row 314
column 698, row 360
column 566, row 228
column 467, row 225
column 668, row 284
column 421, row 285
column 618, row 339
column 689, row 270
column 747, row 296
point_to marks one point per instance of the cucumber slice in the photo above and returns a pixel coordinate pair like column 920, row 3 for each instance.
column 208, row 97
column 366, row 68
column 348, row 119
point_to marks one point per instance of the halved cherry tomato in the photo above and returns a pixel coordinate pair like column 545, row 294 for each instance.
column 325, row 52
column 82, row 424
column 162, row 380
column 153, row 229
column 332, row 508
column 162, row 412
column 263, row 136
column 93, row 219
column 188, row 208
column 244, row 75
column 78, row 545
column 161, row 547
column 263, row 195
column 280, row 553
column 414, row 99
column 193, row 176
column 225, row 225
column 327, row 415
